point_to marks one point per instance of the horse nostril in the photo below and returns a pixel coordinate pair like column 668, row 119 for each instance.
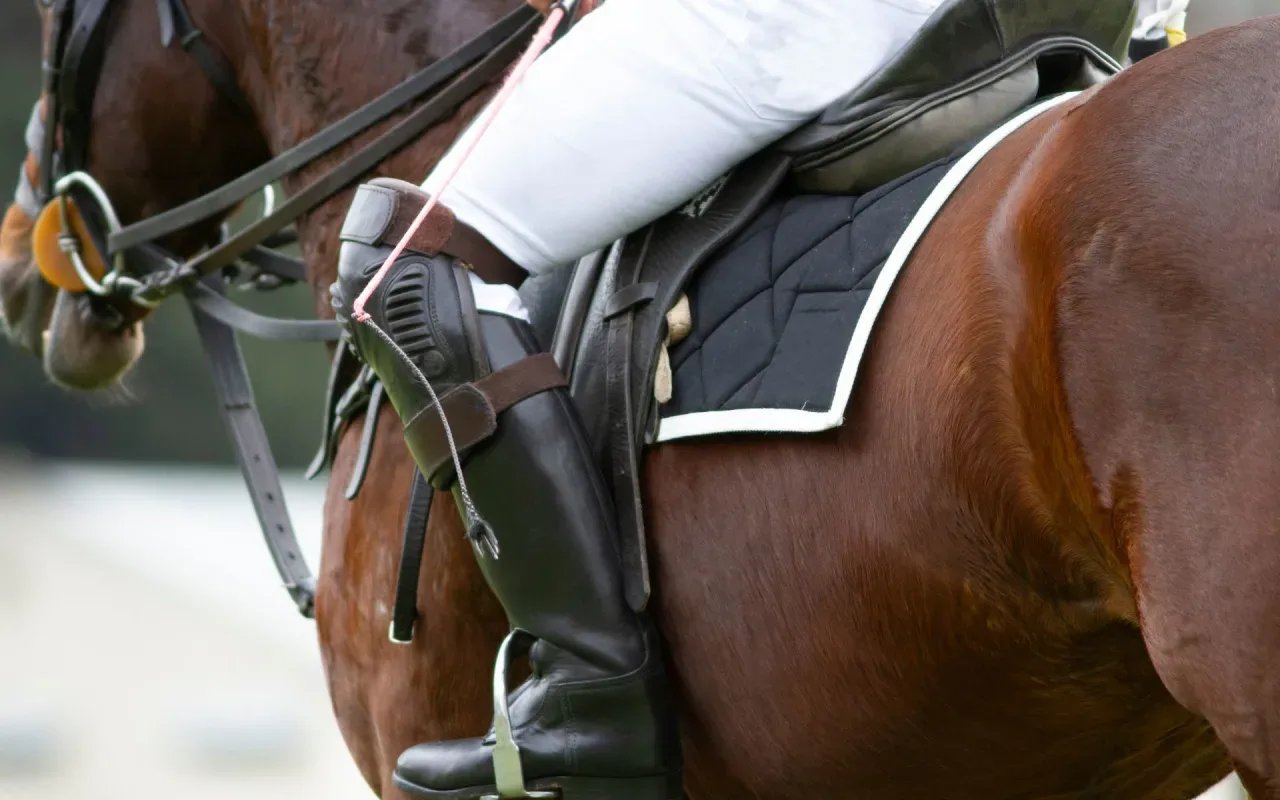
column 101, row 313
column 27, row 306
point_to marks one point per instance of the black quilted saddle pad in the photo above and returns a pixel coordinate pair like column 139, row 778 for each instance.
column 774, row 313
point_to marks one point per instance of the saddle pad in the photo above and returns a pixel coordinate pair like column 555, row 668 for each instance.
column 783, row 314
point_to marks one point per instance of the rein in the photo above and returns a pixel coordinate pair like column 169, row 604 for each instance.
column 144, row 273
column 77, row 58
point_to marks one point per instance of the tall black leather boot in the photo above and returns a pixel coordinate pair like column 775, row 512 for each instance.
column 594, row 721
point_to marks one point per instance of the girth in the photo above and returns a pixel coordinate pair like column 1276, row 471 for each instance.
column 612, row 371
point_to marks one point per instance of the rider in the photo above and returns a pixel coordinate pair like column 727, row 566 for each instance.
column 639, row 107
column 1161, row 23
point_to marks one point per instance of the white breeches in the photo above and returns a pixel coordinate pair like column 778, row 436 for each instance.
column 1154, row 16
column 646, row 102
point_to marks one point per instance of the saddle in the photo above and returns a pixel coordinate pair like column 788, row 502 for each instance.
column 975, row 64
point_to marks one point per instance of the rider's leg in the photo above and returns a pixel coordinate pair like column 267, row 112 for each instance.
column 633, row 112
column 594, row 721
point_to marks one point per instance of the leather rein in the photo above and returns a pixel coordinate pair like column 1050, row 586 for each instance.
column 78, row 46
column 144, row 273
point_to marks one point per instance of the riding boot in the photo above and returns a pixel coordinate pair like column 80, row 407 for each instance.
column 594, row 721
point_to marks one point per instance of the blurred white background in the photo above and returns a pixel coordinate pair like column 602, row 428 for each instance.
column 146, row 649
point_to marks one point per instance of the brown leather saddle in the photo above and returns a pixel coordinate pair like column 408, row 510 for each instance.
column 974, row 65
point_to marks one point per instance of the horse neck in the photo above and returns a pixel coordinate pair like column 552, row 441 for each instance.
column 306, row 65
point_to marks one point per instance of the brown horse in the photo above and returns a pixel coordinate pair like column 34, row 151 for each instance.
column 1039, row 561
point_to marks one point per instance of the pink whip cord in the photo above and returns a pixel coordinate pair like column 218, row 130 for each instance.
column 541, row 40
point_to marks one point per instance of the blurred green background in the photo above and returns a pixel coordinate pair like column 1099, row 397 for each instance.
column 167, row 412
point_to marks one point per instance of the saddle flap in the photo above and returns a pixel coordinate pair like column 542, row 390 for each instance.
column 613, row 325
column 614, row 314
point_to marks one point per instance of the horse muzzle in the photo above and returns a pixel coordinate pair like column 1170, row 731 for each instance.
column 26, row 300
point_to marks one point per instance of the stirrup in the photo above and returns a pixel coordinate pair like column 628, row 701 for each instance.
column 508, row 772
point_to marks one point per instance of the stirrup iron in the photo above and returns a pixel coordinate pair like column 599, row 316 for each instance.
column 508, row 772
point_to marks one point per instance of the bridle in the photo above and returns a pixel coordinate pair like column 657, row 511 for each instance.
column 140, row 270
column 78, row 45
column 144, row 273
column 72, row 69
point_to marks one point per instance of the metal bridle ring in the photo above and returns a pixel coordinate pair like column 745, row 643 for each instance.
column 114, row 281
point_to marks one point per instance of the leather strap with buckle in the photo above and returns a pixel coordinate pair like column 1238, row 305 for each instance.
column 472, row 411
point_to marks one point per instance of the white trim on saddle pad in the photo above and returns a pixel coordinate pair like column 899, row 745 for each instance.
column 789, row 420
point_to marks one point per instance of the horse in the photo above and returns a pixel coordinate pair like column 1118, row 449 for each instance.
column 1037, row 561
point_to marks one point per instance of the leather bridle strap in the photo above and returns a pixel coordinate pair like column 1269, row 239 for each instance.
column 367, row 158
column 51, row 66
column 79, row 66
column 176, row 23
column 253, row 452
column 242, row 319
column 72, row 67
column 509, row 34
column 75, row 65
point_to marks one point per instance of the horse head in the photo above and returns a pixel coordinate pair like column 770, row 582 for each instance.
column 157, row 133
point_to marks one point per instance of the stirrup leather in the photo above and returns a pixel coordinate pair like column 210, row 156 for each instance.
column 508, row 772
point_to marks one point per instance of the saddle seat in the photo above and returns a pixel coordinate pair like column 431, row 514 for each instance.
column 973, row 65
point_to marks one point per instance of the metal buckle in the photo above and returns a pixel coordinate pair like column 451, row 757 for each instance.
column 508, row 772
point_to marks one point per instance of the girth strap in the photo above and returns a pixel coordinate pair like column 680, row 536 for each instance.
column 652, row 271
column 364, row 454
column 78, row 64
column 472, row 410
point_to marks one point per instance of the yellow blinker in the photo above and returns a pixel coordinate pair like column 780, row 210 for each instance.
column 55, row 265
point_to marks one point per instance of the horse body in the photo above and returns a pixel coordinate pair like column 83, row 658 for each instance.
column 995, row 579
column 1169, row 350
column 920, row 607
